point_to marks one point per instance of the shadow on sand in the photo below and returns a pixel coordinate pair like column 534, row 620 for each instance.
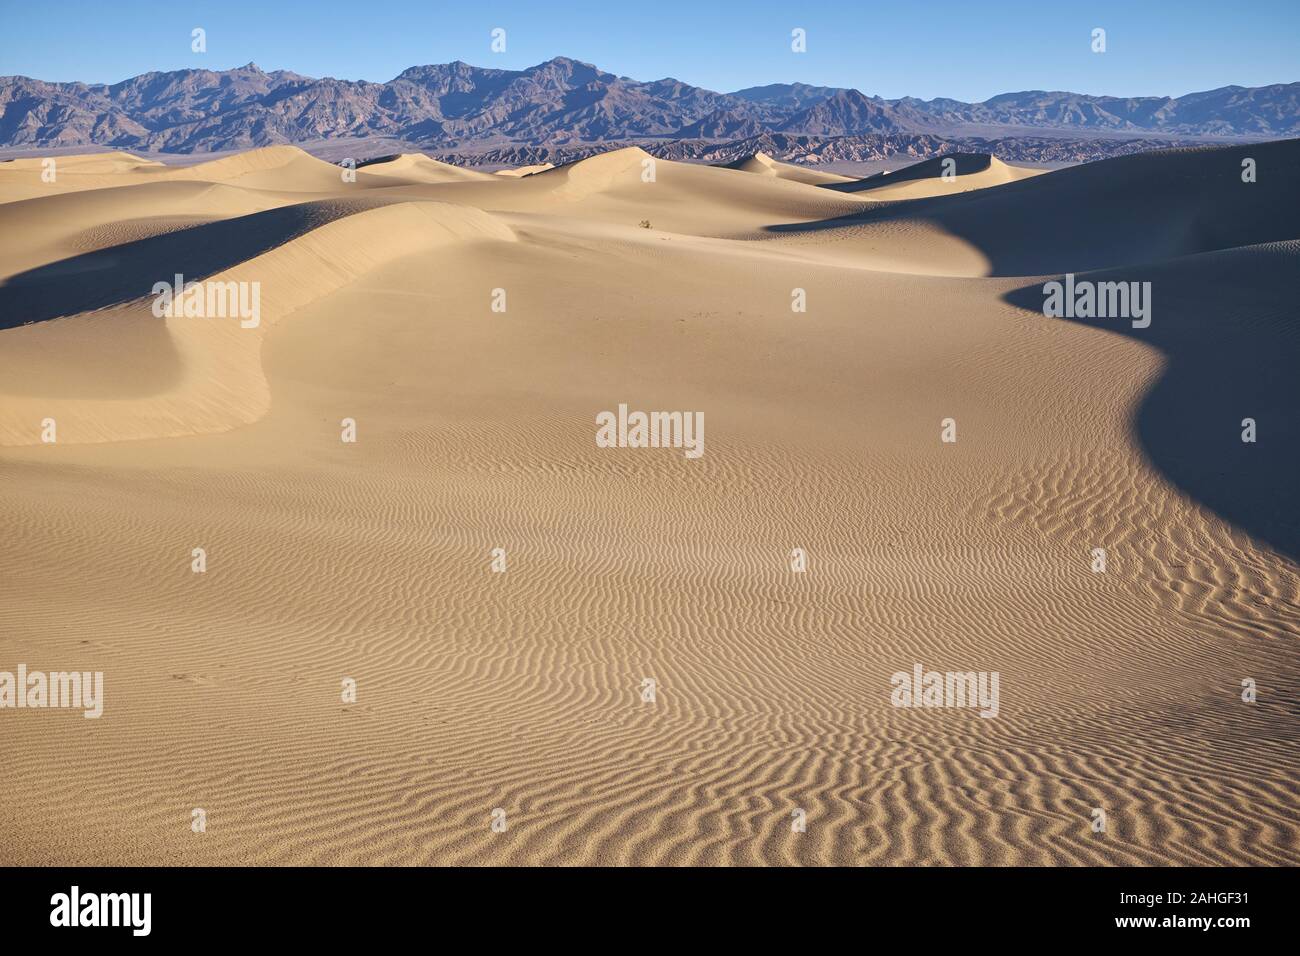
column 119, row 274
column 1228, row 324
column 1146, row 207
column 963, row 164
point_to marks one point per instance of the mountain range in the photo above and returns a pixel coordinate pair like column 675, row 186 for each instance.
column 567, row 103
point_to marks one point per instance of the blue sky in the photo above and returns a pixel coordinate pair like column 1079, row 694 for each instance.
column 966, row 50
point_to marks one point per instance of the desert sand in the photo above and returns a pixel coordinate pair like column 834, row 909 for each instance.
column 524, row 690
column 521, row 171
column 939, row 176
column 765, row 165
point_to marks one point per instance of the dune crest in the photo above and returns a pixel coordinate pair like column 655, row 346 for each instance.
column 940, row 176
column 272, row 167
column 218, row 381
column 416, row 168
column 765, row 165
column 521, row 171
column 1144, row 208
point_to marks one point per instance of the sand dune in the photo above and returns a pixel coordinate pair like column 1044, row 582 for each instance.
column 765, row 165
column 629, row 184
column 940, row 176
column 49, row 229
column 416, row 168
column 86, row 164
column 521, row 171
column 214, row 380
column 1126, row 211
column 523, row 691
column 278, row 169
column 285, row 168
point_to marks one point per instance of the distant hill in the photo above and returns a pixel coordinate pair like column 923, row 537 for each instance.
column 566, row 103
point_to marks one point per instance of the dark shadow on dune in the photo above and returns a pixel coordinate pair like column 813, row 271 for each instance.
column 108, row 277
column 963, row 164
column 1132, row 209
column 1228, row 324
column 378, row 160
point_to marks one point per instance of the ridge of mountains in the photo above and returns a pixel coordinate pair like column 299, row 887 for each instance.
column 564, row 103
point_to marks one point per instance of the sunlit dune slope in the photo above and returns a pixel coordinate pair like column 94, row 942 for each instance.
column 765, row 165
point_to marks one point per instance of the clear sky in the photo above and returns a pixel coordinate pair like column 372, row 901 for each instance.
column 967, row 50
